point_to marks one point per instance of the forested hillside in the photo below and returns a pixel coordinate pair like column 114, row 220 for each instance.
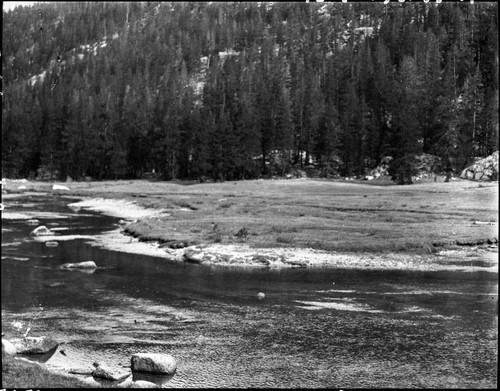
column 190, row 90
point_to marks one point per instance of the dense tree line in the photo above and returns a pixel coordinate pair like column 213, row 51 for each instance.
column 242, row 90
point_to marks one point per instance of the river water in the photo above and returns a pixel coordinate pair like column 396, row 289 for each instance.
column 314, row 328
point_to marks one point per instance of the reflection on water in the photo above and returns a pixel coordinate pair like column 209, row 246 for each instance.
column 314, row 328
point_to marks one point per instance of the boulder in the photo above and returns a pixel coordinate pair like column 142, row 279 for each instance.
column 155, row 363
column 8, row 349
column 79, row 265
column 51, row 244
column 60, row 187
column 484, row 169
column 35, row 345
column 142, row 384
column 102, row 371
column 41, row 231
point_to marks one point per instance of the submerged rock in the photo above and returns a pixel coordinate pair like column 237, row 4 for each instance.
column 79, row 265
column 35, row 345
column 155, row 363
column 261, row 296
column 41, row 231
column 8, row 349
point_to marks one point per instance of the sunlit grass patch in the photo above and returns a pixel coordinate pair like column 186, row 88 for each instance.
column 21, row 374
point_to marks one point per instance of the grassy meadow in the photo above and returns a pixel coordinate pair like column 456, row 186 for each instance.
column 305, row 213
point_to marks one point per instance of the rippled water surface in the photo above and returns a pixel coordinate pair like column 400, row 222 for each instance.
column 314, row 328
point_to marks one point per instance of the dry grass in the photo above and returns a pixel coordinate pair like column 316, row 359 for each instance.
column 21, row 374
column 317, row 214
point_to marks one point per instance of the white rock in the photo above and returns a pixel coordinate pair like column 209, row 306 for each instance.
column 41, row 231
column 79, row 265
column 157, row 363
column 60, row 187
column 8, row 349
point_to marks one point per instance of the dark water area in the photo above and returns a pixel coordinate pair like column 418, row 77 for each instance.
column 314, row 328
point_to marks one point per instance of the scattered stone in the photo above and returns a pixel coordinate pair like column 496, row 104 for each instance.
column 51, row 244
column 35, row 345
column 155, row 363
column 102, row 371
column 41, row 231
column 78, row 265
column 33, row 222
column 8, row 349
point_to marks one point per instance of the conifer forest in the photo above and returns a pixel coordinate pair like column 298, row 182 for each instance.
column 236, row 90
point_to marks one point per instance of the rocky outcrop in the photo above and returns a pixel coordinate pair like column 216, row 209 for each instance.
column 79, row 265
column 35, row 345
column 483, row 169
column 102, row 371
column 41, row 231
column 8, row 349
column 382, row 168
column 155, row 363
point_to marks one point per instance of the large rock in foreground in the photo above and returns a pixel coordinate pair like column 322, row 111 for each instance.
column 482, row 169
column 41, row 231
column 35, row 345
column 155, row 363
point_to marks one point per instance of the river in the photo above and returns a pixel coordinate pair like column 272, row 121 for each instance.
column 320, row 327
